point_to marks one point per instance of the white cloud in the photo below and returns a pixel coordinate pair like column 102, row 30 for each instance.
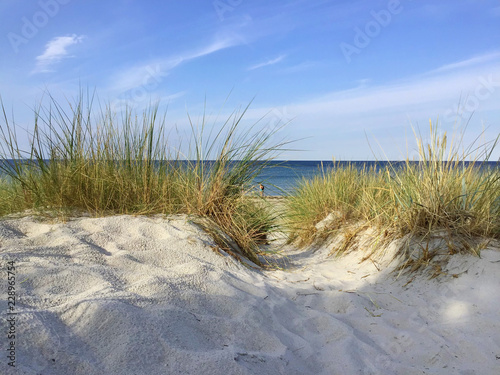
column 301, row 67
column 151, row 73
column 339, row 122
column 269, row 62
column 219, row 44
column 439, row 88
column 55, row 51
column 172, row 97
column 424, row 96
column 477, row 60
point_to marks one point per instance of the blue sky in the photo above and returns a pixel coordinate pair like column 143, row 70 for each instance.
column 342, row 73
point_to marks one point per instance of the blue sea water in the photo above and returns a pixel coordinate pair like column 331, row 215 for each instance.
column 281, row 177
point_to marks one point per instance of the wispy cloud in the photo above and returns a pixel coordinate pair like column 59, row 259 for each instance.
column 303, row 66
column 267, row 63
column 217, row 45
column 435, row 92
column 439, row 93
column 477, row 60
column 172, row 97
column 340, row 120
column 143, row 73
column 55, row 51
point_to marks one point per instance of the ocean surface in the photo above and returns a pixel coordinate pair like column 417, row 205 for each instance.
column 281, row 177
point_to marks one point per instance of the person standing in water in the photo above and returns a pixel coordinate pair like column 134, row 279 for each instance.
column 261, row 190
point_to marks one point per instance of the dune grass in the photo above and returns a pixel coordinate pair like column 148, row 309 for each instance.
column 438, row 194
column 342, row 190
column 86, row 160
column 95, row 161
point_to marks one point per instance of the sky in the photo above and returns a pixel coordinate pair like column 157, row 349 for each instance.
column 351, row 80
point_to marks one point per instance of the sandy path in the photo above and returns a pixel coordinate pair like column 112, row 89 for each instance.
column 135, row 295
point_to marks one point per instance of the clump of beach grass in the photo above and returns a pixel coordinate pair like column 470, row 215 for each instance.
column 9, row 196
column 99, row 162
column 450, row 194
column 337, row 190
column 448, row 189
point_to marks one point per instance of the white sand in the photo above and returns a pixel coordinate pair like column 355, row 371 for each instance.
column 134, row 295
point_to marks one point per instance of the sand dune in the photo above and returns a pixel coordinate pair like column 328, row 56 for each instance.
column 136, row 295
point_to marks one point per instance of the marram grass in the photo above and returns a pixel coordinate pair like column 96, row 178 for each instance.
column 437, row 195
column 86, row 160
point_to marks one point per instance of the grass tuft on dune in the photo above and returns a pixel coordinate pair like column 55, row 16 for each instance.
column 448, row 193
column 85, row 160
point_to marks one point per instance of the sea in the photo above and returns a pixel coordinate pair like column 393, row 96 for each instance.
column 282, row 177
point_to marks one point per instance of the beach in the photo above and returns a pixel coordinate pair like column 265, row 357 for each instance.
column 250, row 188
column 156, row 295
